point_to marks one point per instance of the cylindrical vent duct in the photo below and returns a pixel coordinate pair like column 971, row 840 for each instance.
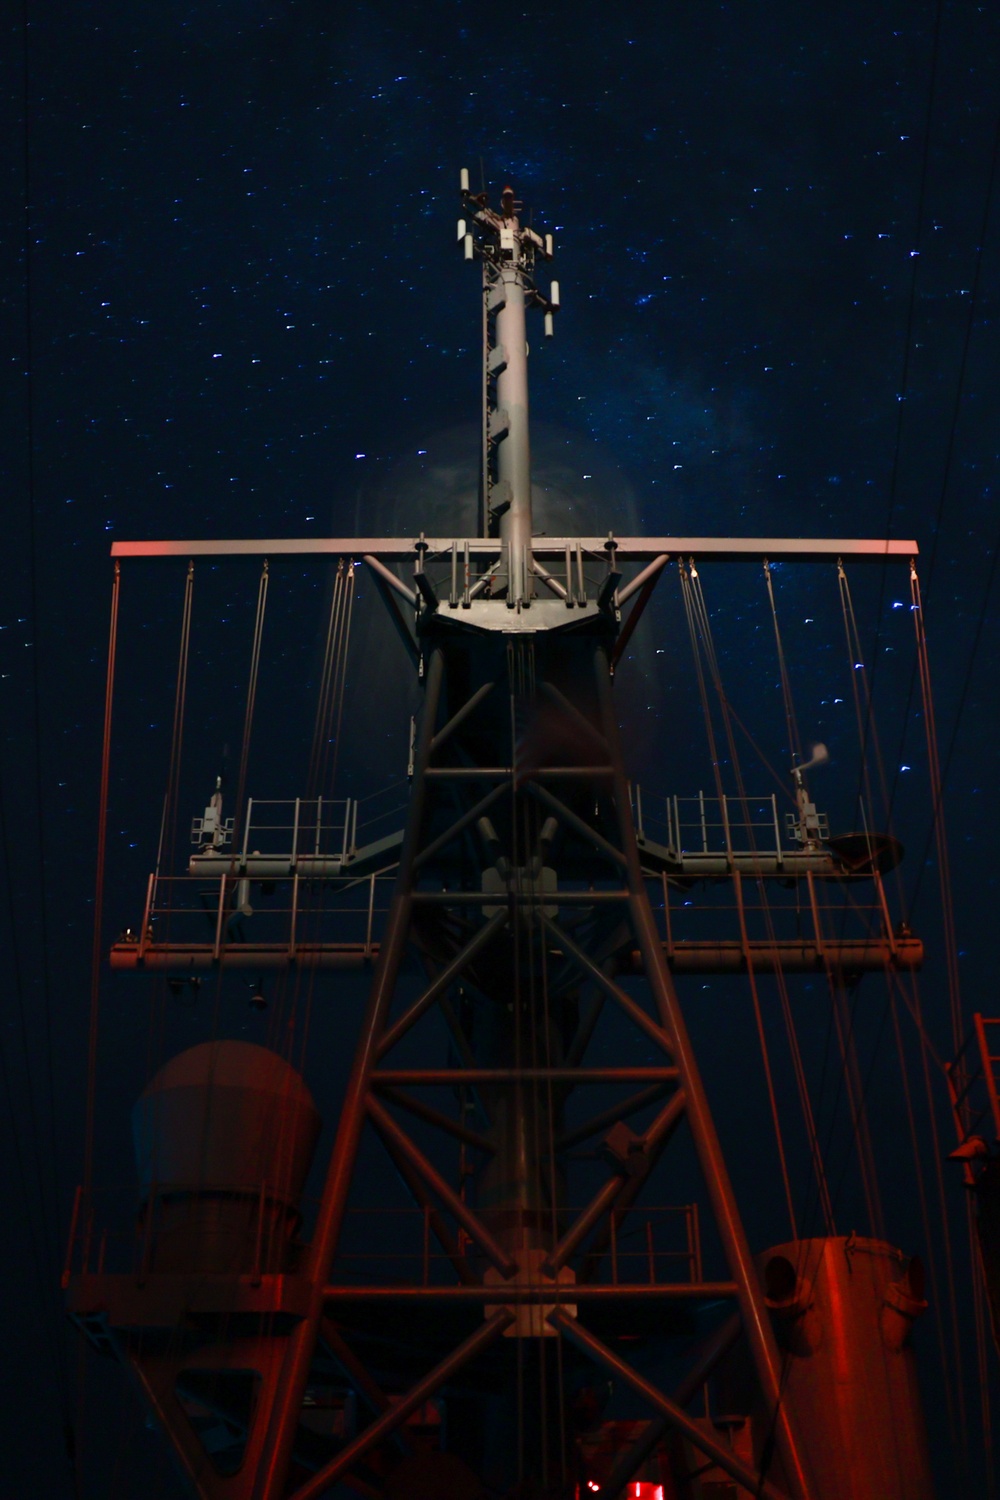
column 843, row 1310
column 224, row 1136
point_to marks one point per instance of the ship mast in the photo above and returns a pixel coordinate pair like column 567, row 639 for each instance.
column 508, row 251
column 521, row 898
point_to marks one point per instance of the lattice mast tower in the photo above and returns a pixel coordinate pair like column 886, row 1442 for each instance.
column 522, row 894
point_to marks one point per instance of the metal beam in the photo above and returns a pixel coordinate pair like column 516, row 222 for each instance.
column 435, row 1219
column 584, row 962
column 456, row 1206
column 397, row 1414
column 460, row 825
column 715, row 1347
column 675, row 1415
column 627, row 548
column 787, row 956
column 611, row 1116
column 458, row 718
column 433, row 1116
column 394, row 583
column 540, row 1291
column 448, row 1077
column 650, row 1148
column 441, row 982
column 647, row 578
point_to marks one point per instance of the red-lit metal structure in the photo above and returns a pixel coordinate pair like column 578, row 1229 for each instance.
column 521, row 900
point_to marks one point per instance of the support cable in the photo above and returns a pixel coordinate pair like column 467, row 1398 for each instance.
column 340, row 681
column 241, row 781
column 820, row 1179
column 938, row 830
column 258, row 632
column 323, row 697
column 177, row 733
column 950, row 451
column 863, row 710
column 515, row 694
column 39, row 1233
column 903, row 393
column 697, row 620
column 798, row 1068
column 282, row 1419
column 97, row 950
column 324, row 757
column 845, row 1015
column 939, row 833
column 52, row 1228
column 168, row 830
column 924, row 1206
column 982, row 1366
column 845, row 1028
column 794, row 746
column 938, row 1157
column 867, row 730
column 849, row 1077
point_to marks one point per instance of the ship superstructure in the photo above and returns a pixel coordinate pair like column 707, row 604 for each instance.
column 522, row 927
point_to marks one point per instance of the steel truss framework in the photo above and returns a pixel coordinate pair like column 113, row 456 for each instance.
column 518, row 773
column 470, row 943
column 563, row 888
column 521, row 893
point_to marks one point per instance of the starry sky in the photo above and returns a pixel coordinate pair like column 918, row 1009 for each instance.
column 233, row 306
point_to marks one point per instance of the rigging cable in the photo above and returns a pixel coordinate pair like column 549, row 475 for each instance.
column 52, row 1228
column 937, row 807
column 849, row 1078
column 176, row 736
column 805, row 1103
column 950, row 447
column 904, row 380
column 697, row 626
column 39, row 1236
column 925, row 1211
column 230, row 876
column 98, row 943
column 241, row 784
column 956, row 1398
column 922, row 667
column 514, row 661
column 322, row 704
column 168, row 832
column 323, row 761
column 340, row 684
column 866, row 722
column 937, row 832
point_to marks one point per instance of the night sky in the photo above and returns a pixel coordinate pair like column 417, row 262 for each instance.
column 233, row 306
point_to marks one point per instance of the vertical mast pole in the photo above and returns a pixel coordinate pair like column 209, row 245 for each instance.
column 514, row 454
column 508, row 252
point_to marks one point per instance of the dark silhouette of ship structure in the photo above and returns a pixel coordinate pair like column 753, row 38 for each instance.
column 540, row 1317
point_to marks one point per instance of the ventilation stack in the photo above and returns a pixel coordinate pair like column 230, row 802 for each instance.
column 843, row 1309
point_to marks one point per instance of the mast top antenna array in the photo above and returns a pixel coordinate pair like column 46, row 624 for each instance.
column 508, row 251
